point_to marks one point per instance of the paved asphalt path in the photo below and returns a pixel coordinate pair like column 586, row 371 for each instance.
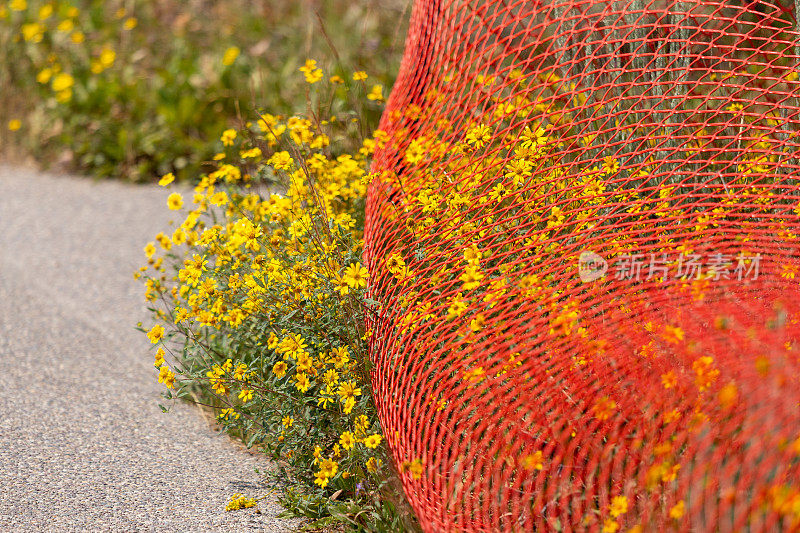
column 83, row 444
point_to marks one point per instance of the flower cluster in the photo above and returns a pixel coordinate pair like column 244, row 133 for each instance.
column 239, row 501
column 264, row 315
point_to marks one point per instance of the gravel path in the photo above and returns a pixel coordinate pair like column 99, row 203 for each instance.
column 83, row 444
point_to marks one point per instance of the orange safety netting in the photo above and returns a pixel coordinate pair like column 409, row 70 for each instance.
column 583, row 242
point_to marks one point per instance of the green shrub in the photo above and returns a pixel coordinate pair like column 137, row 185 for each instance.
column 264, row 317
column 138, row 89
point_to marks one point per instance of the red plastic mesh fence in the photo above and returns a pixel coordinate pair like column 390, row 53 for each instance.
column 583, row 242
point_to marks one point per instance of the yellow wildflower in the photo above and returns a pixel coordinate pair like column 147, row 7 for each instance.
column 252, row 153
column 348, row 390
column 414, row 468
column 373, row 465
column 228, row 136
column 471, row 278
column 728, row 395
column 159, row 358
column 302, row 382
column 240, row 502
column 610, row 526
column 281, row 160
column 604, row 408
column 673, row 334
column 230, row 55
column 279, row 369
column 705, row 373
column 33, row 32
column 166, row 377
column 619, row 506
column 478, row 136
column 304, row 362
column 376, row 94
column 347, row 440
column 44, row 75
column 228, row 413
column 175, row 201
column 533, row 461
column 272, row 341
column 327, row 469
column 356, row 275
column 457, row 307
column 677, row 511
column 156, row 333
column 107, row 58
column 62, row 82
column 311, row 72
column 669, row 379
column 240, row 374
column 373, row 441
